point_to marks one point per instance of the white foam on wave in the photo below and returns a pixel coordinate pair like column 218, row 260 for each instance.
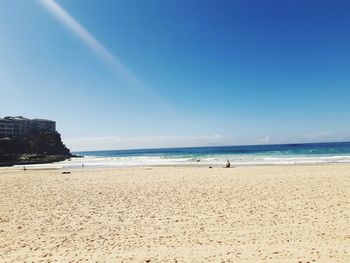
column 214, row 160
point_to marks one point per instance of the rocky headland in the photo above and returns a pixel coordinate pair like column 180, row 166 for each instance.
column 33, row 149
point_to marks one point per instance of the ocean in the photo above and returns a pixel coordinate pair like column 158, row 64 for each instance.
column 282, row 154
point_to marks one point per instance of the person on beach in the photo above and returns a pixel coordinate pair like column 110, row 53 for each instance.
column 228, row 164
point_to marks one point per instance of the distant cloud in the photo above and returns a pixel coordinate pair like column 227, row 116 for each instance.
column 264, row 140
column 319, row 136
column 144, row 142
column 113, row 142
column 88, row 39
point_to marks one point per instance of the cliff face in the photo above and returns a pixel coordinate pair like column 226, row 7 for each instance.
column 36, row 148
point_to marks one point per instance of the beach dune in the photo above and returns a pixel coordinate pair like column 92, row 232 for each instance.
column 176, row 214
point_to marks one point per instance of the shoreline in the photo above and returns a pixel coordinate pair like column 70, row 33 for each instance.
column 213, row 166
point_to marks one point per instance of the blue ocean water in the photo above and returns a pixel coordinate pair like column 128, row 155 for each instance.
column 338, row 152
column 309, row 149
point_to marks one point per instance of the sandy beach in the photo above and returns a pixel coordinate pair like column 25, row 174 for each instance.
column 176, row 214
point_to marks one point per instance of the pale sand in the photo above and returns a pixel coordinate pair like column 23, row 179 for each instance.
column 243, row 214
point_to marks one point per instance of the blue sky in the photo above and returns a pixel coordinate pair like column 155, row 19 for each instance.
column 138, row 74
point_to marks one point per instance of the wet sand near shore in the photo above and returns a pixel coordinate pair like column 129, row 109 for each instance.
column 176, row 214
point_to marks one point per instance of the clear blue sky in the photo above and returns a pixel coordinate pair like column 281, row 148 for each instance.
column 178, row 73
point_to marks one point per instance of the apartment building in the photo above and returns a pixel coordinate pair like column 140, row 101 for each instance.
column 19, row 126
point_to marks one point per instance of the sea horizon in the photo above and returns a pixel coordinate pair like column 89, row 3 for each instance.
column 186, row 147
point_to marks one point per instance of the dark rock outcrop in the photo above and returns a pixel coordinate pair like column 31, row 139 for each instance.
column 33, row 149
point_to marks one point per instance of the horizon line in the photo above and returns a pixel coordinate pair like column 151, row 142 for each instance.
column 187, row 147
